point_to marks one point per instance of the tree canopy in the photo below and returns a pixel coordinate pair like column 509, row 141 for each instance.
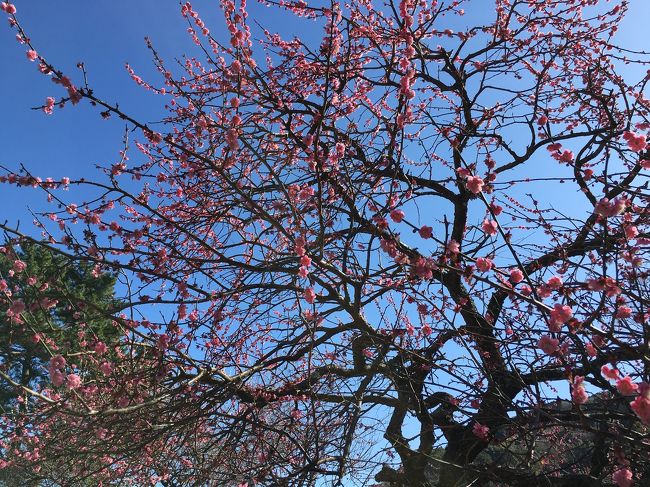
column 410, row 251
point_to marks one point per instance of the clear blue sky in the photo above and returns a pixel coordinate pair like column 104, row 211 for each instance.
column 105, row 35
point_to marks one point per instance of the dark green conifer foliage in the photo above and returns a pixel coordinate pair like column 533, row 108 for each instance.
column 80, row 297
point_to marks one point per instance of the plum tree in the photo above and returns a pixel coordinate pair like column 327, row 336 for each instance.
column 380, row 255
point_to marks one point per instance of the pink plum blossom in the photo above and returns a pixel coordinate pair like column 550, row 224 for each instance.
column 483, row 264
column 516, row 276
column 578, row 393
column 489, row 227
column 310, row 295
column 425, row 231
column 623, row 477
column 548, row 345
column 482, row 432
column 474, row 184
column 73, row 381
column 636, row 142
column 560, row 314
column 397, row 215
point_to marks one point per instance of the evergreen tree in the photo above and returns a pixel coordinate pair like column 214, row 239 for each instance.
column 68, row 303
